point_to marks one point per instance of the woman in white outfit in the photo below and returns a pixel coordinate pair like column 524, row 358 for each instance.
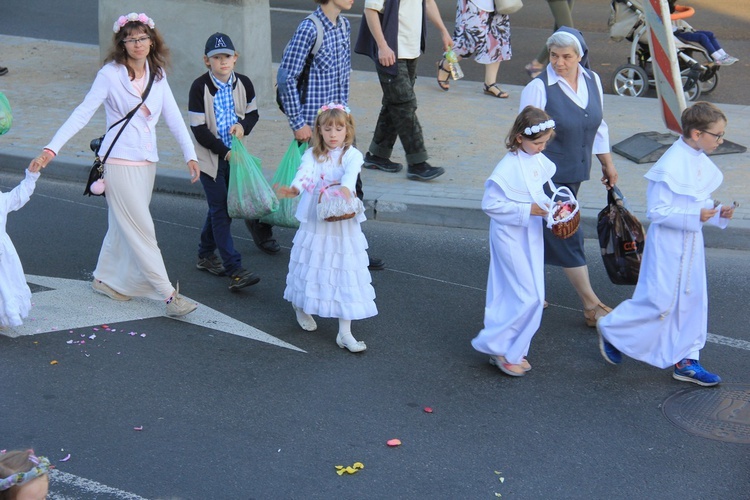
column 130, row 262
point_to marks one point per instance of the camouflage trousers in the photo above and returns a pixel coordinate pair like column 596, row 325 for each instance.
column 398, row 115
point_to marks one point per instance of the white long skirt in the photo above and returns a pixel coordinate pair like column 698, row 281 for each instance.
column 328, row 273
column 515, row 291
column 130, row 261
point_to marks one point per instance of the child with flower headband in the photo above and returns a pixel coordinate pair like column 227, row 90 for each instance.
column 516, row 203
column 328, row 273
column 132, row 78
column 15, row 295
column 23, row 475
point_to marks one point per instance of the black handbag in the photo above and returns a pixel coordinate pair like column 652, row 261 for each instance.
column 97, row 169
column 621, row 239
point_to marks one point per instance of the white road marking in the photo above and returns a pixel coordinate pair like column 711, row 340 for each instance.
column 72, row 304
column 728, row 341
column 83, row 488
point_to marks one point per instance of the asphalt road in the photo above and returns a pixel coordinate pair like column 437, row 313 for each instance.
column 226, row 417
column 76, row 20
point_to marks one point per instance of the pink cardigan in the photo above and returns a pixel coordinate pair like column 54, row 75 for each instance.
column 138, row 141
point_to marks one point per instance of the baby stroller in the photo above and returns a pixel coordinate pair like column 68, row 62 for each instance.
column 700, row 75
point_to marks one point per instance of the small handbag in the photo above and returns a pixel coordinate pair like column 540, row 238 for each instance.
column 95, row 183
column 507, row 6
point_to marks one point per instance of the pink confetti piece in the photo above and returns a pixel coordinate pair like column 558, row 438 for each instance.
column 132, row 334
column 3, row 451
column 95, row 329
column 427, row 409
column 67, row 457
column 139, row 428
column 393, row 442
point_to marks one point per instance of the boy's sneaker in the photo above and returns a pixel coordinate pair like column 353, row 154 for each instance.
column 690, row 370
column 212, row 264
column 377, row 163
column 242, row 278
column 609, row 352
column 423, row 172
column 179, row 306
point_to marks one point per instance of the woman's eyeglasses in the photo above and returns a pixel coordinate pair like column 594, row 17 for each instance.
column 136, row 41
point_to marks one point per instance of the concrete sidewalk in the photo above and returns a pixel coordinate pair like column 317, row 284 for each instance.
column 464, row 132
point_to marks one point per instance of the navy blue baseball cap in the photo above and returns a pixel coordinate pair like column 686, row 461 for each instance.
column 219, row 43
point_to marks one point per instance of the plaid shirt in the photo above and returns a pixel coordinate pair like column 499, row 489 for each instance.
column 224, row 109
column 329, row 73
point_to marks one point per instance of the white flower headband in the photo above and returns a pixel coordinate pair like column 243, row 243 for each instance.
column 332, row 105
column 539, row 128
column 131, row 18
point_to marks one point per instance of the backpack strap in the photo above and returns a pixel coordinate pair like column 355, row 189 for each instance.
column 319, row 27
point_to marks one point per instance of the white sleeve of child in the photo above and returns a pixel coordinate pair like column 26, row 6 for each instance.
column 665, row 209
column 21, row 194
column 502, row 210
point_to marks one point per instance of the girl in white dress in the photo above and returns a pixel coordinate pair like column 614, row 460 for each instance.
column 515, row 201
column 15, row 296
column 328, row 273
column 666, row 321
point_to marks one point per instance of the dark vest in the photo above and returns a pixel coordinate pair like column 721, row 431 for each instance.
column 575, row 129
column 389, row 23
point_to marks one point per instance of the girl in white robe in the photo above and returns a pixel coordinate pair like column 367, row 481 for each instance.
column 515, row 201
column 15, row 296
column 666, row 321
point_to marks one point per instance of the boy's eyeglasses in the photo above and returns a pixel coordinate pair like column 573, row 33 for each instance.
column 718, row 136
column 136, row 41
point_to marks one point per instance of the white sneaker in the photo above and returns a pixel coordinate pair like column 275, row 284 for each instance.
column 179, row 306
column 726, row 60
column 104, row 289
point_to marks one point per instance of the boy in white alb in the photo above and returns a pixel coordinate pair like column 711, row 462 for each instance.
column 666, row 321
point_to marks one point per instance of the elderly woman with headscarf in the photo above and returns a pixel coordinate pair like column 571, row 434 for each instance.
column 572, row 95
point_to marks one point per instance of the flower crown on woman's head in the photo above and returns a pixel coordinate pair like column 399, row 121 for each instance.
column 333, row 105
column 535, row 129
column 131, row 18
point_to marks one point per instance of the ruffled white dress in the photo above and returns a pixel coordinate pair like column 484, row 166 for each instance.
column 328, row 273
column 15, row 296
column 515, row 284
column 667, row 318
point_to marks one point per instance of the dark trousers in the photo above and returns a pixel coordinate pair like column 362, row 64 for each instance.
column 217, row 230
column 705, row 38
column 398, row 115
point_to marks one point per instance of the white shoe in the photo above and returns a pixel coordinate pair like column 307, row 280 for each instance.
column 726, row 61
column 179, row 306
column 347, row 341
column 104, row 289
column 305, row 321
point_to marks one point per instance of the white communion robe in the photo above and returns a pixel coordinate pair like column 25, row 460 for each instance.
column 515, row 284
column 15, row 296
column 667, row 318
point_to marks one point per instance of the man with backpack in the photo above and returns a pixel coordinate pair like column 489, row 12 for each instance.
column 324, row 35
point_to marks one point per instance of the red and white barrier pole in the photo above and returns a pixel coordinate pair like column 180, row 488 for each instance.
column 665, row 66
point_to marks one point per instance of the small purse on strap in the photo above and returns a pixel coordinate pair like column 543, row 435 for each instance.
column 95, row 183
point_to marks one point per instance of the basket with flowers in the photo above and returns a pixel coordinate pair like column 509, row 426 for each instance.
column 564, row 217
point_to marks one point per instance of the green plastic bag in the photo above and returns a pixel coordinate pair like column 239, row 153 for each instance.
column 6, row 115
column 285, row 215
column 249, row 196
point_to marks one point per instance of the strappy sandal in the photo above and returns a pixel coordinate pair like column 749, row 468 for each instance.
column 596, row 312
column 533, row 71
column 495, row 91
column 443, row 84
